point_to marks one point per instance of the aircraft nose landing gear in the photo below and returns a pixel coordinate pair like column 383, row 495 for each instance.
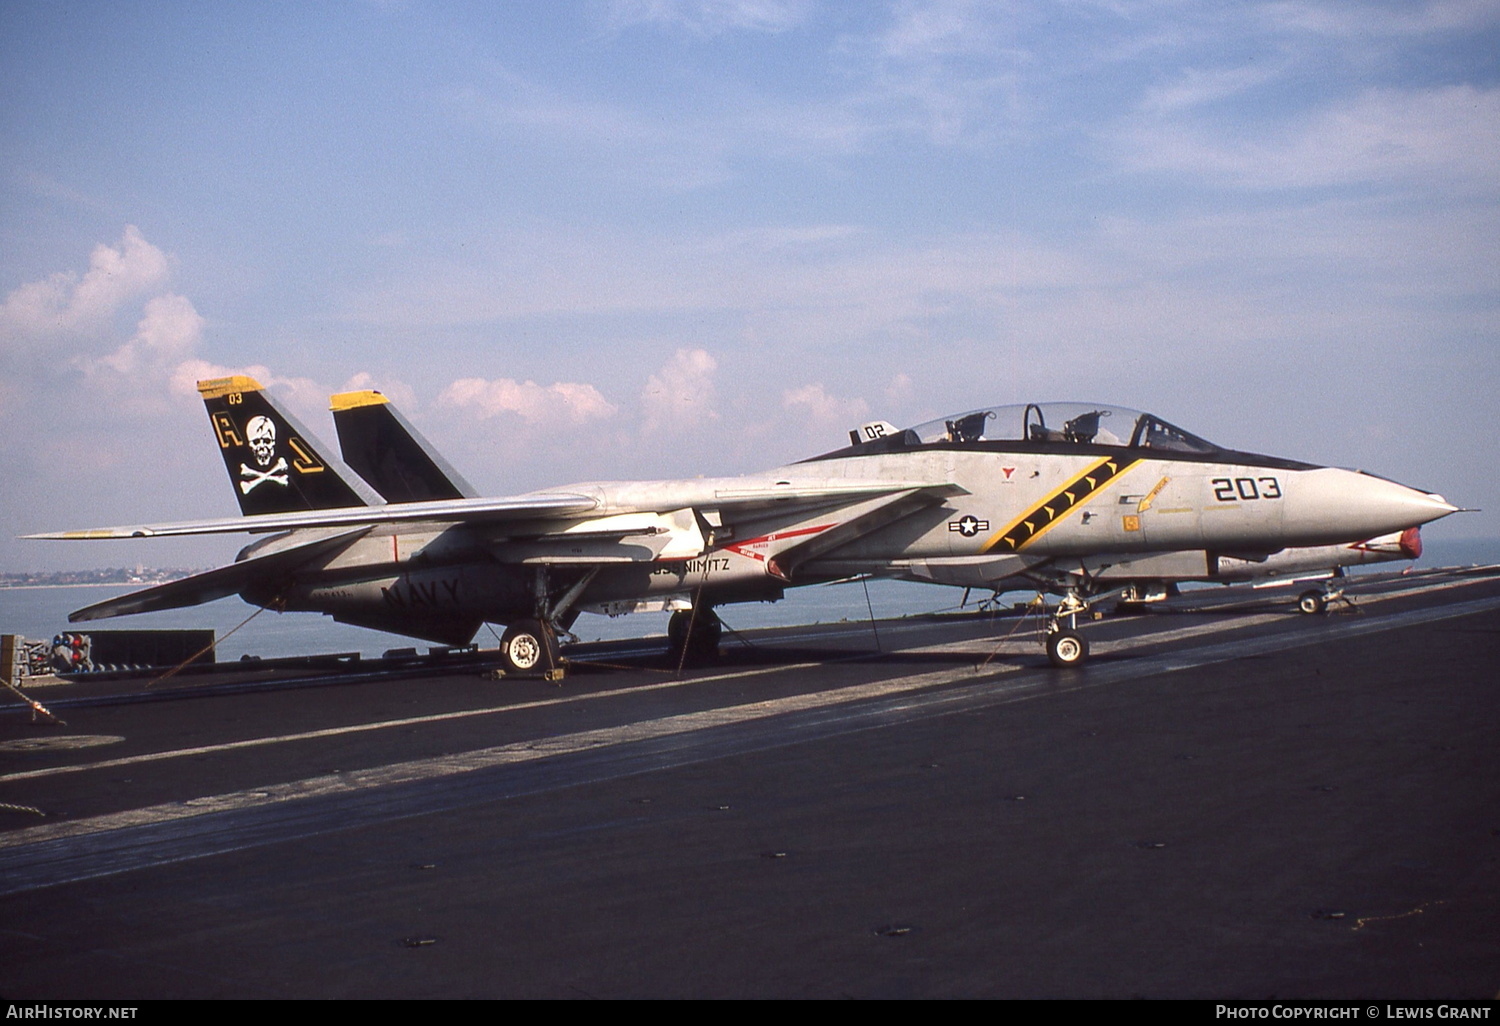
column 1317, row 600
column 1312, row 603
column 1067, row 648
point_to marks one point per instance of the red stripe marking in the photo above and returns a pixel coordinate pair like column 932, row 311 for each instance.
column 765, row 539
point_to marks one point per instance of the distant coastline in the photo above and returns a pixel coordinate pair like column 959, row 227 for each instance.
column 92, row 578
column 84, row 584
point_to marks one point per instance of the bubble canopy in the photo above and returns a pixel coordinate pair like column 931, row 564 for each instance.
column 1065, row 423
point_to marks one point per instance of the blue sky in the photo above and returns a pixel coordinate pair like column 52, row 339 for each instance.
column 660, row 237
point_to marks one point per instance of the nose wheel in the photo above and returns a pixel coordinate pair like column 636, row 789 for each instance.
column 1067, row 649
column 1316, row 601
column 1312, row 603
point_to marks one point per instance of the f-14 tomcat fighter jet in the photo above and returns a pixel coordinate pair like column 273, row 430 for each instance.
column 384, row 449
column 1076, row 499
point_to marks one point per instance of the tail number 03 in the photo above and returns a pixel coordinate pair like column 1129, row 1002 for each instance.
column 1245, row 488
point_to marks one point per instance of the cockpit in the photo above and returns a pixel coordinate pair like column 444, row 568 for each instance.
column 1064, row 423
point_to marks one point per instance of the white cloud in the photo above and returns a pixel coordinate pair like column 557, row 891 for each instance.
column 922, row 31
column 681, row 394
column 307, row 398
column 168, row 333
column 69, row 319
column 564, row 402
column 1385, row 136
column 398, row 392
column 815, row 403
column 73, row 325
column 64, row 303
column 1346, row 21
column 1196, row 87
column 949, row 71
column 900, row 389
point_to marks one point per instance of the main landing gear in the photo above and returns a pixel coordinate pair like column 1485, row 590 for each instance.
column 529, row 646
column 694, row 639
column 529, row 649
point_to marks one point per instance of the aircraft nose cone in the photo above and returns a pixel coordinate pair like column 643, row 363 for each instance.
column 1342, row 504
column 1412, row 507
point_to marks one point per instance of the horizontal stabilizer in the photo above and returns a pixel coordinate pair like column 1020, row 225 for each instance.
column 215, row 584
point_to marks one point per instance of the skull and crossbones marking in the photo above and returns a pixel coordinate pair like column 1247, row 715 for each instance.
column 255, row 478
column 260, row 432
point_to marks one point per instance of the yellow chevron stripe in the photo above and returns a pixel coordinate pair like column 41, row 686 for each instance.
column 1113, row 468
column 1027, row 514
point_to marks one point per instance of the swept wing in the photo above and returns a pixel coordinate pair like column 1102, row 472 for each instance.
column 506, row 510
column 455, row 511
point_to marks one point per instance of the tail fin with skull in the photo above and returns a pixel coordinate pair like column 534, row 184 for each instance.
column 271, row 458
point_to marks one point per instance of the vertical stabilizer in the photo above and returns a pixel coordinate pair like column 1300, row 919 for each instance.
column 385, row 450
column 272, row 460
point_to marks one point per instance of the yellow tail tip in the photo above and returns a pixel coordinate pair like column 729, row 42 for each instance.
column 354, row 400
column 214, row 388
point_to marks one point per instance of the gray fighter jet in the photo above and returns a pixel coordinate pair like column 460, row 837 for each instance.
column 1080, row 500
column 391, row 455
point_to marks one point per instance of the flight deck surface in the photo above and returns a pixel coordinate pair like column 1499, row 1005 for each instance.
column 1228, row 801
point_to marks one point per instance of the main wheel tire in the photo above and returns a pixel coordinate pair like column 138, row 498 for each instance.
column 528, row 647
column 677, row 628
column 1312, row 603
column 707, row 634
column 702, row 645
column 1067, row 649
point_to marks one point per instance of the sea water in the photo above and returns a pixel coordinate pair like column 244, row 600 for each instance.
column 41, row 612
